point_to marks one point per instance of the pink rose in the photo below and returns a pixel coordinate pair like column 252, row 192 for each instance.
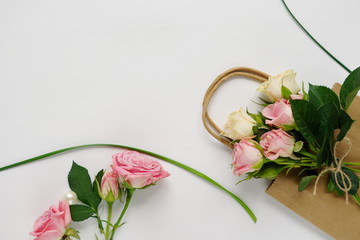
column 246, row 157
column 109, row 188
column 53, row 223
column 277, row 143
column 136, row 170
column 279, row 113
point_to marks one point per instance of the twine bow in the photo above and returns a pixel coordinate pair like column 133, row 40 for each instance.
column 335, row 167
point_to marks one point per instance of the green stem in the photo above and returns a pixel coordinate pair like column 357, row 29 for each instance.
column 107, row 232
column 101, row 227
column 356, row 198
column 316, row 42
column 307, row 154
column 352, row 163
column 353, row 169
column 129, row 194
column 178, row 164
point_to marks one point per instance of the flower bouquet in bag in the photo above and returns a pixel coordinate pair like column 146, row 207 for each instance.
column 296, row 129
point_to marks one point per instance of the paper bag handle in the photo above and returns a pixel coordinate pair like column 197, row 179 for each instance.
column 209, row 124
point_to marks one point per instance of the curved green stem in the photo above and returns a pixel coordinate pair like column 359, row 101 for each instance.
column 316, row 42
column 171, row 161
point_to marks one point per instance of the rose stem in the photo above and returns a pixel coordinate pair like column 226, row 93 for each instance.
column 129, row 194
column 356, row 198
column 352, row 163
column 110, row 204
column 178, row 164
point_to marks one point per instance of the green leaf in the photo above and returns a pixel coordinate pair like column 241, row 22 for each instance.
column 80, row 182
column 306, row 95
column 329, row 117
column 345, row 123
column 305, row 181
column 354, row 179
column 325, row 154
column 285, row 92
column 307, row 119
column 350, row 88
column 288, row 128
column 331, row 188
column 80, row 212
column 320, row 95
column 298, row 146
column 259, row 118
column 96, row 197
column 270, row 171
column 265, row 101
column 72, row 233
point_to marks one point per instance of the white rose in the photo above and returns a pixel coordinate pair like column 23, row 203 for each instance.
column 272, row 87
column 239, row 125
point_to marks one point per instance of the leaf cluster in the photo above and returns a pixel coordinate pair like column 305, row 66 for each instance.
column 317, row 119
column 86, row 191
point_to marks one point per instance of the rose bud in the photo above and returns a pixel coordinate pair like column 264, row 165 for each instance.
column 277, row 143
column 239, row 126
column 53, row 223
column 246, row 157
column 109, row 188
column 272, row 87
column 279, row 113
column 135, row 170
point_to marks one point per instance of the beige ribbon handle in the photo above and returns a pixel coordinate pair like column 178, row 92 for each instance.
column 244, row 72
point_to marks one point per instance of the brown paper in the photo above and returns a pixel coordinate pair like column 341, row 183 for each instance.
column 325, row 210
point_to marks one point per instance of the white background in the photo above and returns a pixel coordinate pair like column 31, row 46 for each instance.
column 134, row 73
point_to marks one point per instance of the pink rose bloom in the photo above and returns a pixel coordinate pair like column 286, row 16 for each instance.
column 246, row 157
column 53, row 223
column 136, row 170
column 109, row 188
column 277, row 143
column 279, row 113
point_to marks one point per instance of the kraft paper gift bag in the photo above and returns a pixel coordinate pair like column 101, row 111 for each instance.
column 326, row 210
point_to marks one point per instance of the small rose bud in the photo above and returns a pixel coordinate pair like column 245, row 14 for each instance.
column 109, row 188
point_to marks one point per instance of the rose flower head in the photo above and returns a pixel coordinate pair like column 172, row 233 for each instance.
column 52, row 225
column 136, row 170
column 277, row 143
column 239, row 125
column 279, row 113
column 247, row 157
column 272, row 87
column 109, row 188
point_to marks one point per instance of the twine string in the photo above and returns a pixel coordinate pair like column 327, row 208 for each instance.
column 336, row 168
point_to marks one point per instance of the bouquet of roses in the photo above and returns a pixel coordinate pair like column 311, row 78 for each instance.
column 296, row 129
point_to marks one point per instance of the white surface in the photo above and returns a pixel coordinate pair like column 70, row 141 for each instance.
column 134, row 73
